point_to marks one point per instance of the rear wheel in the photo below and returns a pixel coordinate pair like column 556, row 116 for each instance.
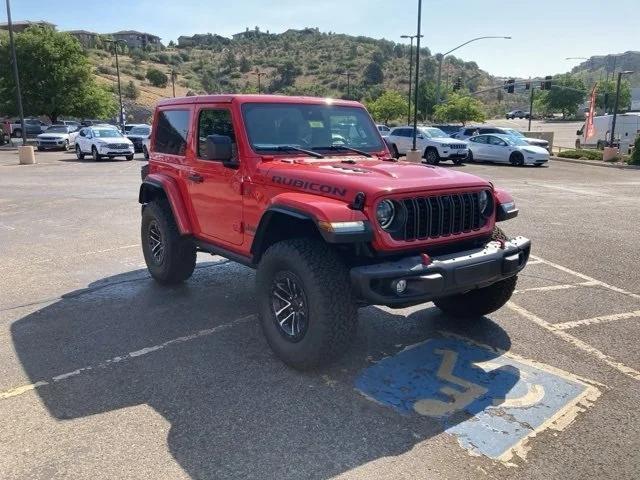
column 170, row 257
column 481, row 301
column 307, row 312
column 431, row 156
column 458, row 160
column 516, row 159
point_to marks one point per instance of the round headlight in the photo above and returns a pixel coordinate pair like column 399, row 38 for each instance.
column 485, row 203
column 385, row 213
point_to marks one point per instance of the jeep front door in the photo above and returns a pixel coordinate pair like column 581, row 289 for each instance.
column 215, row 190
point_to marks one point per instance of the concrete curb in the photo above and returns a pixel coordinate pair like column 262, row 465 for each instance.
column 597, row 163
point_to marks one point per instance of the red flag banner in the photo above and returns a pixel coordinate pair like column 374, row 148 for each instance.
column 589, row 129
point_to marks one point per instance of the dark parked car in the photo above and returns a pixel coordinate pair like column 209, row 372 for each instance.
column 449, row 129
column 137, row 134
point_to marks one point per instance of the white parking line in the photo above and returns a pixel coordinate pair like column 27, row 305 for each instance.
column 596, row 320
column 585, row 347
column 14, row 392
column 549, row 288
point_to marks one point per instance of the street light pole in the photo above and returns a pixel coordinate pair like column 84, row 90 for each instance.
column 410, row 73
column 453, row 50
column 259, row 74
column 415, row 104
column 14, row 61
column 348, row 75
column 121, row 114
column 173, row 82
column 615, row 106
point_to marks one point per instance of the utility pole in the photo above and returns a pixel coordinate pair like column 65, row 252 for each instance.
column 121, row 114
column 530, row 103
column 415, row 104
column 348, row 75
column 15, row 74
column 615, row 106
column 410, row 74
column 173, row 81
column 259, row 74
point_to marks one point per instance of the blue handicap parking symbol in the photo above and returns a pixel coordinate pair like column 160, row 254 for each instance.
column 491, row 401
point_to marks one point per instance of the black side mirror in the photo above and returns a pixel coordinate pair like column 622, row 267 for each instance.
column 220, row 148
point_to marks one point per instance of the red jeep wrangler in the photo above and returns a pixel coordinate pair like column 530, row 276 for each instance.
column 305, row 191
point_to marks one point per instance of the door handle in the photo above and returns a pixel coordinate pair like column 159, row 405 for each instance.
column 194, row 177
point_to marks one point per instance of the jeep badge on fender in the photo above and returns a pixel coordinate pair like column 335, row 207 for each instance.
column 332, row 222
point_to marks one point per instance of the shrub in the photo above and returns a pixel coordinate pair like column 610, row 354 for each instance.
column 635, row 156
column 130, row 90
column 583, row 154
column 157, row 78
column 106, row 70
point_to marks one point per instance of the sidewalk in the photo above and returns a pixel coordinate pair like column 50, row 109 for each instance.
column 597, row 163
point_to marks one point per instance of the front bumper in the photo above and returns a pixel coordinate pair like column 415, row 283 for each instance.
column 454, row 153
column 446, row 274
column 113, row 152
column 51, row 144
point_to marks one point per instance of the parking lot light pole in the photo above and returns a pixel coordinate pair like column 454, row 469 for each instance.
column 415, row 103
column 173, row 81
column 615, row 106
column 14, row 63
column 259, row 74
column 121, row 114
column 410, row 74
column 453, row 50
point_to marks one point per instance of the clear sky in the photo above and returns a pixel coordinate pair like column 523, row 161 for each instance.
column 544, row 32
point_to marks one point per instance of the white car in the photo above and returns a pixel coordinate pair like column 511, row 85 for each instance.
column 57, row 136
column 103, row 141
column 505, row 149
column 384, row 130
column 433, row 142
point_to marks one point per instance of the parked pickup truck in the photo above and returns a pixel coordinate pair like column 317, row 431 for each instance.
column 330, row 225
column 33, row 127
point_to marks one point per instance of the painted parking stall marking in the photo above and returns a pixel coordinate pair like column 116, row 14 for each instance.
column 491, row 401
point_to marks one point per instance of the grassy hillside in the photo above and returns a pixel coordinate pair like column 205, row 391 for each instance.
column 596, row 67
column 295, row 62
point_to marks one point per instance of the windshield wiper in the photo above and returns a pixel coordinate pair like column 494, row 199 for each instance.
column 345, row 148
column 289, row 148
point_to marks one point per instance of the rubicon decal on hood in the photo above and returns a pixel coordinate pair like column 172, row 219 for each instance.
column 312, row 186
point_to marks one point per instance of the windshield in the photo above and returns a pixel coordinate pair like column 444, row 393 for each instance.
column 433, row 132
column 57, row 129
column 516, row 133
column 107, row 133
column 140, row 131
column 312, row 127
column 516, row 141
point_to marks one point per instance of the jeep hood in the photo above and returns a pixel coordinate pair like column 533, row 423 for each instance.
column 343, row 177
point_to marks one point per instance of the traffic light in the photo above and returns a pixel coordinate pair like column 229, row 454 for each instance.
column 546, row 85
column 510, row 85
column 457, row 85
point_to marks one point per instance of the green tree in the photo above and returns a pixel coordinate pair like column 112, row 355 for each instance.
column 157, row 78
column 286, row 75
column 130, row 90
column 566, row 95
column 55, row 77
column 373, row 74
column 610, row 88
column 388, row 106
column 460, row 108
column 244, row 64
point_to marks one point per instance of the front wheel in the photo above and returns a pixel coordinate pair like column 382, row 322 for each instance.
column 94, row 153
column 66, row 145
column 170, row 257
column 516, row 159
column 129, row 157
column 306, row 308
column 145, row 152
column 431, row 156
column 458, row 160
column 481, row 301
column 79, row 154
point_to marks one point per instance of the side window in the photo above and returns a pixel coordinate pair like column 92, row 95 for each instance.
column 407, row 132
column 171, row 132
column 496, row 141
column 83, row 132
column 469, row 132
column 214, row 122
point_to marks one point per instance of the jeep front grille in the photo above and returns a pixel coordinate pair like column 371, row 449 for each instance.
column 433, row 217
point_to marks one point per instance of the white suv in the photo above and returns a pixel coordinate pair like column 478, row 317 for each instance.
column 433, row 142
column 103, row 141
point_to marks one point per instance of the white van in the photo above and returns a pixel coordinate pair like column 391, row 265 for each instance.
column 627, row 130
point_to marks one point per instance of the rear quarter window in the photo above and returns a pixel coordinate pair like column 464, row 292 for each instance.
column 172, row 131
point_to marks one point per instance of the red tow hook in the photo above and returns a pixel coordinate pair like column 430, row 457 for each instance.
column 426, row 259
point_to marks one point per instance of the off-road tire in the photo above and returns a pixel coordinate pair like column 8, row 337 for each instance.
column 95, row 155
column 332, row 313
column 79, row 154
column 179, row 256
column 482, row 301
column 517, row 159
column 431, row 156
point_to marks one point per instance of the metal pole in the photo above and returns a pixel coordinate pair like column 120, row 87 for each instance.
column 410, row 79
column 348, row 86
column 259, row 86
column 615, row 110
column 173, row 82
column 439, row 79
column 115, row 44
column 415, row 105
column 14, row 60
column 530, row 103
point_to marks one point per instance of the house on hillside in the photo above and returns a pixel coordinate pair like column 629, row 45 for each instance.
column 135, row 39
column 87, row 39
column 255, row 33
column 202, row 40
column 21, row 26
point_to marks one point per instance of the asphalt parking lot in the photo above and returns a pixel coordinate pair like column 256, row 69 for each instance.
column 107, row 375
